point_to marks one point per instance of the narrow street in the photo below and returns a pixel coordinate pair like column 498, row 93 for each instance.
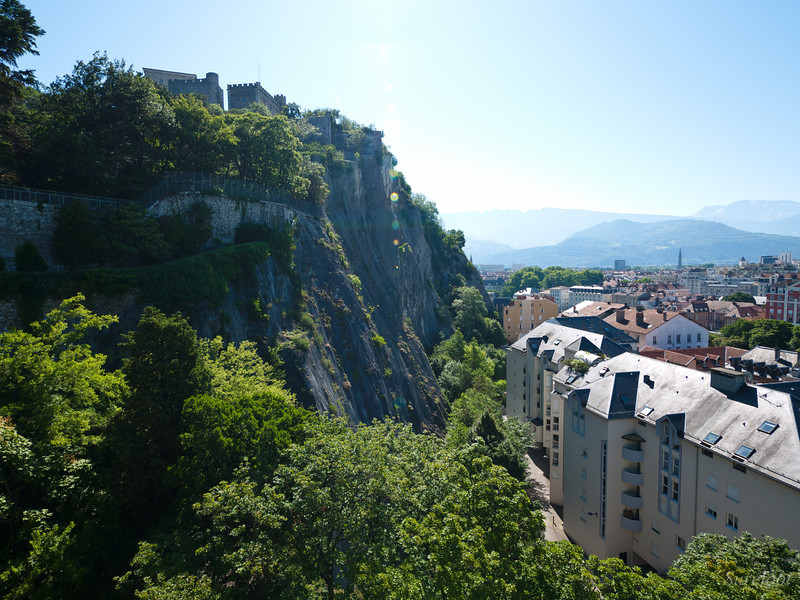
column 538, row 467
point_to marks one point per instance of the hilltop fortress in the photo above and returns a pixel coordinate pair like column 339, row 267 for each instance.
column 240, row 95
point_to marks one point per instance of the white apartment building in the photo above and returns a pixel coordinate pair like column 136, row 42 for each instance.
column 651, row 454
column 561, row 295
column 532, row 362
column 659, row 328
column 594, row 293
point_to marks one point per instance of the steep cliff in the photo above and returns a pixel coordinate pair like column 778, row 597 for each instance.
column 354, row 319
column 352, row 308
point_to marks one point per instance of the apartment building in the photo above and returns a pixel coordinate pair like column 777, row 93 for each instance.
column 651, row 454
column 593, row 293
column 524, row 313
column 664, row 329
column 534, row 359
column 783, row 297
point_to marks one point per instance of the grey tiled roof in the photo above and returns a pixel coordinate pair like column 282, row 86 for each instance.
column 735, row 416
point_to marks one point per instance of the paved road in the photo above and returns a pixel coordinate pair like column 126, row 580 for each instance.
column 538, row 467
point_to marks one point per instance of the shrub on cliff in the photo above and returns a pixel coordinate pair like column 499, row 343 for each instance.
column 28, row 258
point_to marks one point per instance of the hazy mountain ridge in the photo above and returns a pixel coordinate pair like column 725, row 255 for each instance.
column 538, row 227
column 653, row 244
column 534, row 231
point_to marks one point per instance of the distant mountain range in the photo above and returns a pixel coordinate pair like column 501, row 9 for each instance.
column 568, row 237
column 781, row 217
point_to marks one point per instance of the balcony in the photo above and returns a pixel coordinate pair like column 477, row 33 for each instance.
column 632, row 500
column 631, row 524
column 632, row 453
column 632, row 477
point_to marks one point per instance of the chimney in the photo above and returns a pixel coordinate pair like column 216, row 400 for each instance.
column 620, row 315
column 664, row 314
column 639, row 316
column 777, row 354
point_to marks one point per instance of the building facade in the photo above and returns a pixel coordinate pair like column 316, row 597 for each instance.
column 659, row 328
column 783, row 301
column 653, row 454
column 524, row 313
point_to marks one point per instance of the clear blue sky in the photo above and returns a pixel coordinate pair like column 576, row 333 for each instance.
column 635, row 106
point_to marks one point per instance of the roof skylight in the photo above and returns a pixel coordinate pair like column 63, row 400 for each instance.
column 744, row 452
column 712, row 438
column 768, row 427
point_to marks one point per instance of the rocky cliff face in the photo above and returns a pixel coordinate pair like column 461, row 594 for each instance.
column 354, row 315
column 353, row 333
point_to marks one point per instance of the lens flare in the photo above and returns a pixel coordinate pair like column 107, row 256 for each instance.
column 396, row 242
column 394, row 197
column 395, row 225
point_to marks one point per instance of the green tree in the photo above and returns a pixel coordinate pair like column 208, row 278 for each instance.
column 219, row 435
column 75, row 235
column 739, row 297
column 742, row 568
column 268, row 152
column 199, row 141
column 18, row 33
column 28, row 258
column 100, row 130
column 56, row 398
column 127, row 237
column 164, row 366
column 761, row 332
column 378, row 512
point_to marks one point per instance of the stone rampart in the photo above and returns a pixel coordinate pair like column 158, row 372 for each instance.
column 21, row 220
column 226, row 214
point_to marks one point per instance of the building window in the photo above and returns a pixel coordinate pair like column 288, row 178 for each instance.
column 669, row 339
column 698, row 337
column 555, row 441
column 583, row 494
column 654, row 550
column 680, row 543
column 711, row 482
column 656, row 526
column 678, row 338
column 733, row 493
column 664, row 485
column 675, row 490
column 665, row 460
column 733, row 522
column 676, row 466
column 711, row 511
column 655, row 340
column 583, row 472
column 584, row 452
column 555, row 423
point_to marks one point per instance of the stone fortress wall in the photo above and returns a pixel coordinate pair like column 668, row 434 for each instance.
column 20, row 221
column 242, row 95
